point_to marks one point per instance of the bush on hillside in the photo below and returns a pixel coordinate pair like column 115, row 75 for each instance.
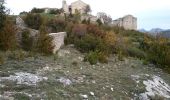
column 70, row 36
column 1, row 60
column 111, row 39
column 118, row 30
column 23, row 13
column 56, row 11
column 27, row 40
column 34, row 21
column 8, row 36
column 136, row 52
column 79, row 30
column 121, row 46
column 103, row 57
column 95, row 56
column 37, row 10
column 17, row 55
column 75, row 31
column 158, row 51
column 95, row 30
column 56, row 25
column 99, row 22
column 91, row 57
column 45, row 42
column 88, row 43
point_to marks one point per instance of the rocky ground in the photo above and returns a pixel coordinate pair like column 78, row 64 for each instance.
column 65, row 76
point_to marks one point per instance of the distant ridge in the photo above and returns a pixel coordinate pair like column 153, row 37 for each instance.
column 157, row 31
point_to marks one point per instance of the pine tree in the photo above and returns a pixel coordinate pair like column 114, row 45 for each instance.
column 2, row 15
column 7, row 30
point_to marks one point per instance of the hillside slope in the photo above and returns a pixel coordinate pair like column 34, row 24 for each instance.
column 67, row 77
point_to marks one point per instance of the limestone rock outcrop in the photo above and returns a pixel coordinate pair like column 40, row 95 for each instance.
column 21, row 26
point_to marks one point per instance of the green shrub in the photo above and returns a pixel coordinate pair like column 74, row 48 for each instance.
column 45, row 42
column 79, row 30
column 70, row 36
column 19, row 96
column 159, row 54
column 158, row 51
column 56, row 25
column 37, row 10
column 17, row 55
column 99, row 22
column 102, row 57
column 8, row 36
column 95, row 56
column 87, row 43
column 1, row 60
column 56, row 11
column 135, row 52
column 120, row 55
column 95, row 30
column 91, row 57
column 27, row 40
column 33, row 21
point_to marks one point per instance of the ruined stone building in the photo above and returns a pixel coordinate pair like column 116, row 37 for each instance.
column 128, row 22
column 77, row 5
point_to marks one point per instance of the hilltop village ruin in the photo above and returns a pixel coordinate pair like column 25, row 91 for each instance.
column 128, row 22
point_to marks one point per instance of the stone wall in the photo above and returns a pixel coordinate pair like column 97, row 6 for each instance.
column 128, row 22
column 58, row 40
column 77, row 5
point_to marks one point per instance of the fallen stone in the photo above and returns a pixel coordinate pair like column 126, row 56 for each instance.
column 92, row 93
column 63, row 53
column 58, row 40
column 112, row 89
column 84, row 96
column 64, row 81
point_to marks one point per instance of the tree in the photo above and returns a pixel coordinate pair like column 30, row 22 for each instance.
column 56, row 11
column 2, row 15
column 158, row 51
column 27, row 40
column 37, row 10
column 99, row 22
column 23, row 13
column 7, row 30
column 104, row 17
column 56, row 25
column 88, row 9
column 34, row 21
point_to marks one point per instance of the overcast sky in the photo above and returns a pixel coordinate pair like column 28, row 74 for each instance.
column 150, row 13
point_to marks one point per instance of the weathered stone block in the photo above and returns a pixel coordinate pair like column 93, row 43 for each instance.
column 58, row 40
